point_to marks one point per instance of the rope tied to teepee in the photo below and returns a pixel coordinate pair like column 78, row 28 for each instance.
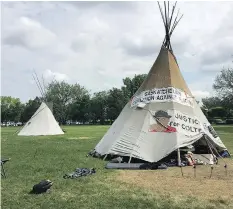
column 225, row 164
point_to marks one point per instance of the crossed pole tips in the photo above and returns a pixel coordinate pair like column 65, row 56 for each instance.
column 168, row 22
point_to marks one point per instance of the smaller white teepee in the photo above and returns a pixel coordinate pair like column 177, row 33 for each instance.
column 41, row 123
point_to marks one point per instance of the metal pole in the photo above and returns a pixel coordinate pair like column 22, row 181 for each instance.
column 178, row 157
column 105, row 156
column 130, row 158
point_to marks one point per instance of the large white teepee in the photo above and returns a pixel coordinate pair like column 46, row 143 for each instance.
column 41, row 123
column 162, row 116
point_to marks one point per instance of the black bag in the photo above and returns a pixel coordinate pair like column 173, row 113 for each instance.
column 42, row 187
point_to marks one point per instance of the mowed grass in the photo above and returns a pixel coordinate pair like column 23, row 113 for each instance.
column 37, row 158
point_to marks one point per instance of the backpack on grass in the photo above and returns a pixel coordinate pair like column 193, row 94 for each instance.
column 42, row 187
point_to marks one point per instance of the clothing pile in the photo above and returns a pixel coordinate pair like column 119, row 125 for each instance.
column 117, row 160
column 174, row 162
column 225, row 154
column 79, row 172
column 152, row 166
column 190, row 159
column 199, row 162
column 171, row 163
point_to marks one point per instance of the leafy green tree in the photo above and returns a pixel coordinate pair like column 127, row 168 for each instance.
column 30, row 108
column 11, row 109
column 131, row 85
column 78, row 110
column 223, row 85
column 211, row 102
column 107, row 105
column 116, row 101
column 217, row 112
column 65, row 98
column 99, row 107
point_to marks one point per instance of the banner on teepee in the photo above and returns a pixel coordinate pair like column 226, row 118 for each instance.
column 174, row 121
column 169, row 94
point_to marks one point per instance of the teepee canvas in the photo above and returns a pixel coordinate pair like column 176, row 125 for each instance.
column 162, row 116
column 41, row 123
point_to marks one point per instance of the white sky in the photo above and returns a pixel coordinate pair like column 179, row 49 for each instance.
column 97, row 44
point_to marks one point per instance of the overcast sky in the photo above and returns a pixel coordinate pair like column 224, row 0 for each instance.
column 96, row 44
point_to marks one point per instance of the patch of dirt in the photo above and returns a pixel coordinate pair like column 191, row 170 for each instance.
column 171, row 182
column 84, row 137
column 81, row 137
column 72, row 138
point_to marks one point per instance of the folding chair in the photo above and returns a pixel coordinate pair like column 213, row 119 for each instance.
column 3, row 161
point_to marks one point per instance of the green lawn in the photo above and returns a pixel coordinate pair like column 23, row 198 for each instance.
column 37, row 158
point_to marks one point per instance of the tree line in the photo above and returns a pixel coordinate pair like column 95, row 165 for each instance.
column 220, row 107
column 75, row 103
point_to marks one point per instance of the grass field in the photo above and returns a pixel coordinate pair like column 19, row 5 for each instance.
column 37, row 158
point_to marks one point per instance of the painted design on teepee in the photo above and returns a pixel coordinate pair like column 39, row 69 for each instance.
column 212, row 131
column 161, row 122
column 175, row 121
column 169, row 94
